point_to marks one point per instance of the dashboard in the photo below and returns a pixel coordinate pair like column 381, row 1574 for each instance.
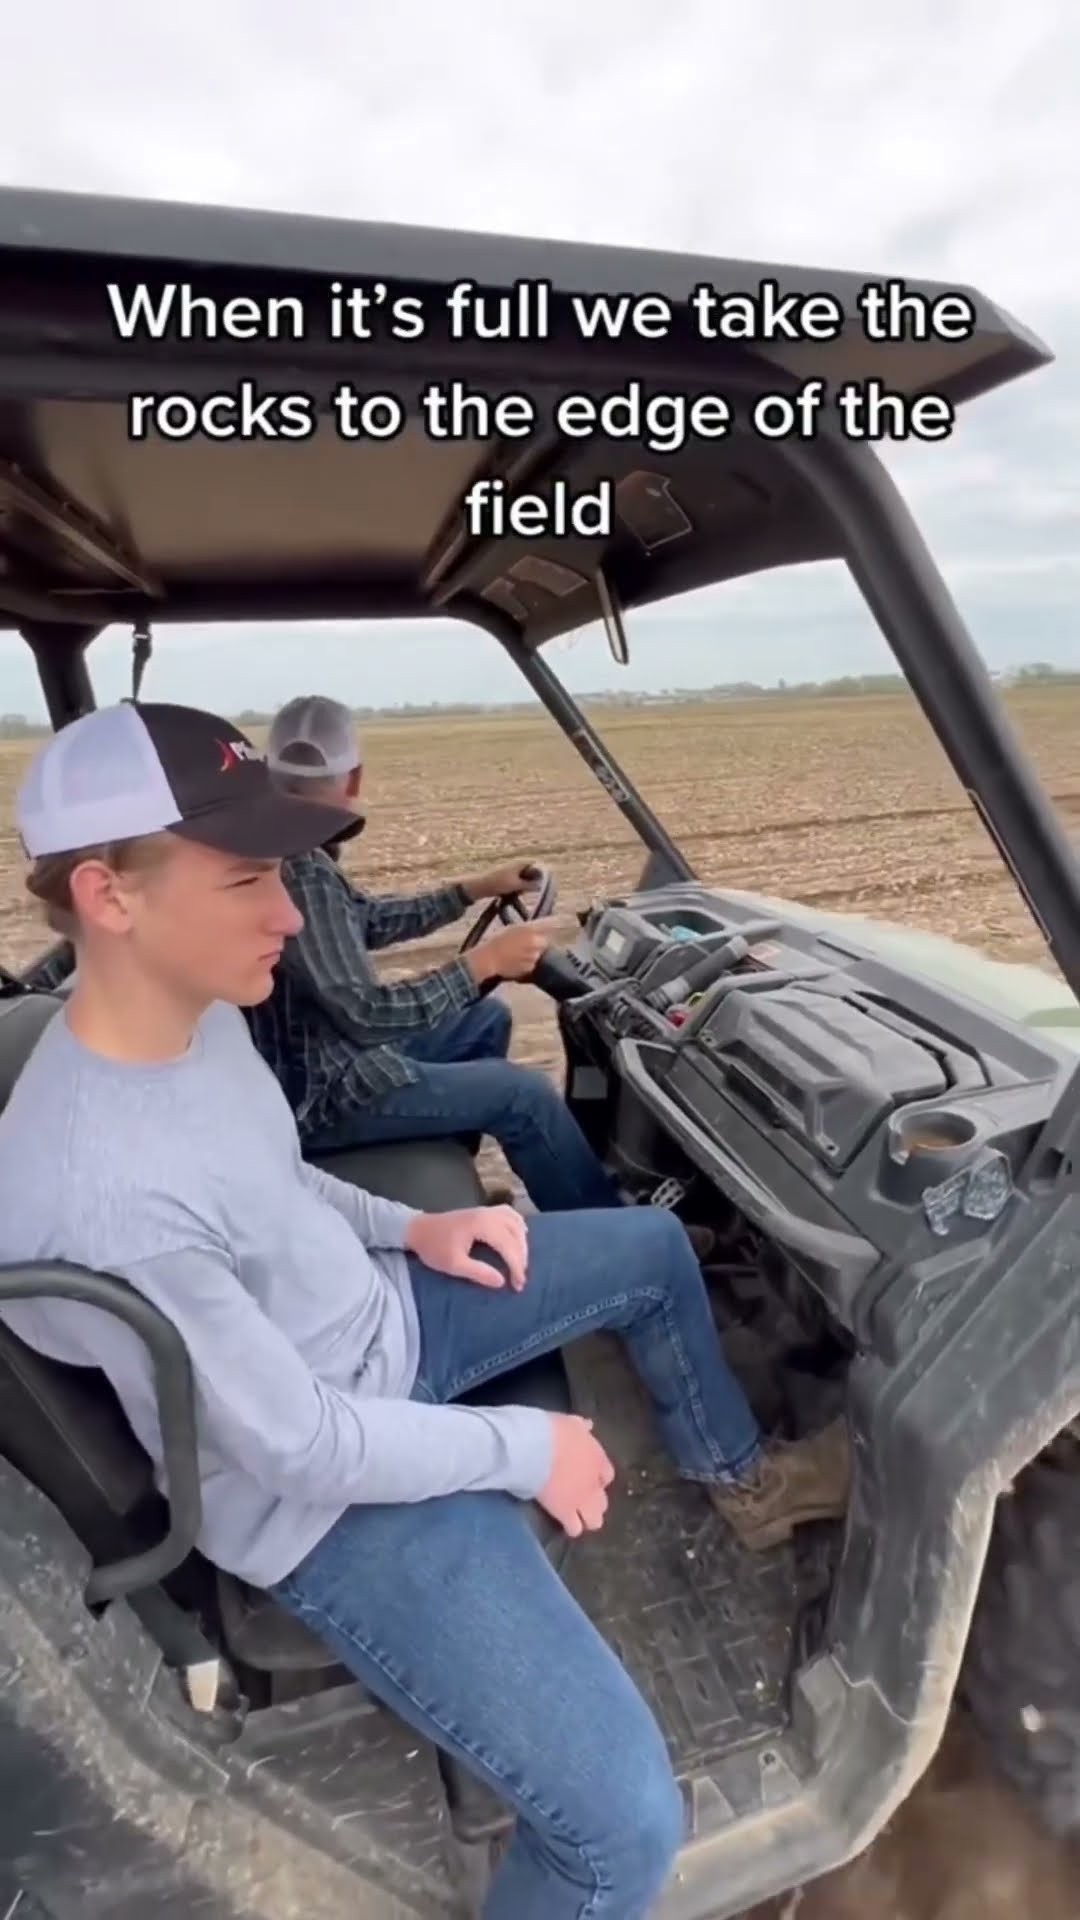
column 859, row 1116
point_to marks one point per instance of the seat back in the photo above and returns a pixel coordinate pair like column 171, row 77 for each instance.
column 23, row 1019
column 62, row 1426
column 65, row 1431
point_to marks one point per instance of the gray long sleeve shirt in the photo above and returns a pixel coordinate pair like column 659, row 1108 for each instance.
column 289, row 1287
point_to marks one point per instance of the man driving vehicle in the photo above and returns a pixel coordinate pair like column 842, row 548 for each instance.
column 332, row 1334
column 315, row 752
column 364, row 1060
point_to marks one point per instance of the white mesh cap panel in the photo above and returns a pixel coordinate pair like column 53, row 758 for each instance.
column 98, row 779
column 315, row 737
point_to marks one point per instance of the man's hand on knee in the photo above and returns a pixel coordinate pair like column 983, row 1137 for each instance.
column 445, row 1242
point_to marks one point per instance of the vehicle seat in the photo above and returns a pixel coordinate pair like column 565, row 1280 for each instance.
column 65, row 1430
column 23, row 1019
column 435, row 1175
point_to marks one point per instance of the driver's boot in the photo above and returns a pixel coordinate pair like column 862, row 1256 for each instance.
column 703, row 1241
column 499, row 1196
column 794, row 1482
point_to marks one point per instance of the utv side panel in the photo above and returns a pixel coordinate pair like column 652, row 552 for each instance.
column 118, row 1801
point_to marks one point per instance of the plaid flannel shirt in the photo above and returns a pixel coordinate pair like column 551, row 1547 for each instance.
column 328, row 1027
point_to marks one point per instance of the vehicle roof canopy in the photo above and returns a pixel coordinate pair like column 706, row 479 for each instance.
column 97, row 527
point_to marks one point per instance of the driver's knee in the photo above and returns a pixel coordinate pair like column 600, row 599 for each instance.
column 491, row 1022
column 531, row 1091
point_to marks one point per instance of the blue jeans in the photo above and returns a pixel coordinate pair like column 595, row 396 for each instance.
column 464, row 1086
column 450, row 1612
column 481, row 1032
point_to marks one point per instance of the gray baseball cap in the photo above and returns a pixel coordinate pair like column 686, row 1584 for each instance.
column 314, row 738
column 124, row 771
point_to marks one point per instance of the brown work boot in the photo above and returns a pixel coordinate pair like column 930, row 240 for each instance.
column 794, row 1482
column 499, row 1196
column 703, row 1241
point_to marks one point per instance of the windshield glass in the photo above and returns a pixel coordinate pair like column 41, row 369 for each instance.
column 836, row 796
column 768, row 727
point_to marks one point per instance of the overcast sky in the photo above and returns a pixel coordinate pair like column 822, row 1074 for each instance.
column 919, row 137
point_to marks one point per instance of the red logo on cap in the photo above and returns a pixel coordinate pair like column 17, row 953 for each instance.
column 233, row 751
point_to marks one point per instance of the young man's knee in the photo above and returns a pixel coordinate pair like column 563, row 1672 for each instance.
column 654, row 1234
column 661, row 1825
column 645, row 1822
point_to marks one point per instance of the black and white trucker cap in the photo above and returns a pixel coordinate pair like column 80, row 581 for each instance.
column 124, row 771
column 314, row 738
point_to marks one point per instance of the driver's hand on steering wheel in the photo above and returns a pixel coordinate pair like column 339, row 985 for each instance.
column 512, row 953
column 519, row 876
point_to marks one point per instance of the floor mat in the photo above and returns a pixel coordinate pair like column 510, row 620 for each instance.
column 706, row 1629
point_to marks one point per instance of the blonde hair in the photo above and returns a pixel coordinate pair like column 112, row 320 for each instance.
column 49, row 879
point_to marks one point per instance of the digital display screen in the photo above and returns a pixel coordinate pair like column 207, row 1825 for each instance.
column 615, row 943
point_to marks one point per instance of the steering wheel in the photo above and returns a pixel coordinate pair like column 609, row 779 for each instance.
column 510, row 907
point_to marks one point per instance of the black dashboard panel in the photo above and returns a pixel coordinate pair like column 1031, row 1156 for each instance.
column 856, row 1113
column 814, row 1064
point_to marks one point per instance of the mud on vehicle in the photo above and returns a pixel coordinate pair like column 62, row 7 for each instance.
column 881, row 1126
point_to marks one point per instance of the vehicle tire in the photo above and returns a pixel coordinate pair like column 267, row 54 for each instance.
column 1021, row 1676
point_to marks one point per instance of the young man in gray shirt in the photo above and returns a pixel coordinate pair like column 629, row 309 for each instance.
column 331, row 1333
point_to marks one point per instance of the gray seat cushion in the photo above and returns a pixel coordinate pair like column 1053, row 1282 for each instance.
column 435, row 1175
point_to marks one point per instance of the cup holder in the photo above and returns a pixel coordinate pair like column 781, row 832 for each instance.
column 926, row 1148
column 930, row 1135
